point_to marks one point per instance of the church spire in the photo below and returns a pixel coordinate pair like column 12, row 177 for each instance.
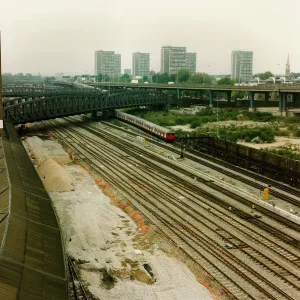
column 288, row 68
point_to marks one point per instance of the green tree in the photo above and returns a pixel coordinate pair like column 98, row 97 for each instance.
column 264, row 76
column 49, row 80
column 172, row 78
column 295, row 75
column 106, row 78
column 145, row 78
column 125, row 78
column 183, row 75
column 99, row 77
column 225, row 81
column 154, row 77
column 162, row 78
column 238, row 94
column 200, row 78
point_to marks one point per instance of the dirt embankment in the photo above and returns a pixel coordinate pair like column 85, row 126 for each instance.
column 55, row 177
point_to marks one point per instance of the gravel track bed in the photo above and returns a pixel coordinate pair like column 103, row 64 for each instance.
column 255, row 180
column 188, row 222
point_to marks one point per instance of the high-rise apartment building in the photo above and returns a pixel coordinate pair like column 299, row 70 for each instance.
column 107, row 63
column 191, row 61
column 140, row 64
column 117, row 67
column 174, row 59
column 241, row 65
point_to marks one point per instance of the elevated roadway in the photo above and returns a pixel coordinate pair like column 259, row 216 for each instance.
column 286, row 88
column 283, row 91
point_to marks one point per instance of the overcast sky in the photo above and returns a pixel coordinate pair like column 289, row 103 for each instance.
column 62, row 35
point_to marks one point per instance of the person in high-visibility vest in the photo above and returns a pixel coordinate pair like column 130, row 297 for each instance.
column 266, row 194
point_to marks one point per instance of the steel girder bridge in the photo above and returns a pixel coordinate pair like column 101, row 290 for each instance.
column 24, row 91
column 41, row 106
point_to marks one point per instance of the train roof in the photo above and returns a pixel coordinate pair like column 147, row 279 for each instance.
column 163, row 129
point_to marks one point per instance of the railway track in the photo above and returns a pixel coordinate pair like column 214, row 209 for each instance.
column 185, row 233
column 227, row 168
column 215, row 187
column 75, row 287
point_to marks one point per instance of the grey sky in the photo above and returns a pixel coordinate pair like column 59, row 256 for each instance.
column 62, row 35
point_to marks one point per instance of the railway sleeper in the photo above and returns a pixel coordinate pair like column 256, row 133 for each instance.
column 292, row 242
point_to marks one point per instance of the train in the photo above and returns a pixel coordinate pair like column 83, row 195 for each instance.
column 156, row 130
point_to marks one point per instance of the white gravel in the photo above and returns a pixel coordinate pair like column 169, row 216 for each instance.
column 100, row 235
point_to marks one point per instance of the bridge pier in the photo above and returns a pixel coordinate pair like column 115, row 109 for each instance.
column 201, row 95
column 94, row 114
column 283, row 107
column 252, row 104
column 178, row 94
column 211, row 98
column 267, row 97
column 229, row 96
column 296, row 100
column 105, row 114
column 282, row 103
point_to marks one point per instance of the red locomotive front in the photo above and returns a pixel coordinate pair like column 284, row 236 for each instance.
column 170, row 136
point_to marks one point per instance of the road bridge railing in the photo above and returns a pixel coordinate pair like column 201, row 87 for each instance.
column 212, row 87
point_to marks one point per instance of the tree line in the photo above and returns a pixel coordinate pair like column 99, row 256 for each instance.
column 182, row 76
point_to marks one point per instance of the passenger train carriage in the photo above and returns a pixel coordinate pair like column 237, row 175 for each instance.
column 159, row 131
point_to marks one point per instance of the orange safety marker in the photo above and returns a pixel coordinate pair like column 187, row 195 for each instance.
column 210, row 290
column 266, row 194
column 134, row 214
column 130, row 211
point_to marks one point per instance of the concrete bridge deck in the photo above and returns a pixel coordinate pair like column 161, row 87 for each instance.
column 286, row 88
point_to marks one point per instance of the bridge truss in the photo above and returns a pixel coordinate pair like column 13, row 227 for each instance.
column 36, row 107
